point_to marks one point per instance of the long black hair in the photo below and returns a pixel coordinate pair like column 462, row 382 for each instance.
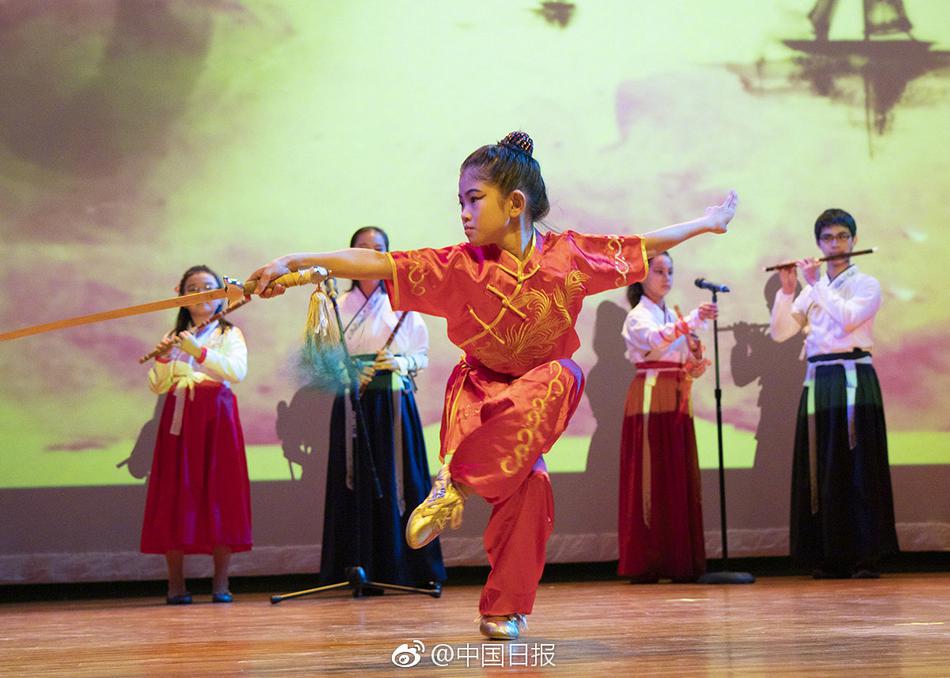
column 635, row 291
column 184, row 315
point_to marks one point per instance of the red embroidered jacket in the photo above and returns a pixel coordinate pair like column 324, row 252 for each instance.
column 511, row 315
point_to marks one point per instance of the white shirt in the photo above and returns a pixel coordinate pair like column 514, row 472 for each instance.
column 225, row 361
column 369, row 326
column 650, row 333
column 837, row 315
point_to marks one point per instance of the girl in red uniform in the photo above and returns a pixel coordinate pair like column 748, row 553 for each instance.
column 510, row 296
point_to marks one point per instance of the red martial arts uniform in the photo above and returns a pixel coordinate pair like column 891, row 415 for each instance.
column 513, row 393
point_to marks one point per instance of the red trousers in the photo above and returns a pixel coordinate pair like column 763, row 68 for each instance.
column 496, row 427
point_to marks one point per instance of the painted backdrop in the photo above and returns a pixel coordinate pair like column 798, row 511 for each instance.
column 139, row 138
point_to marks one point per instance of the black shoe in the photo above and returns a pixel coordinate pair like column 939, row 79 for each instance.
column 183, row 599
column 829, row 574
column 866, row 574
column 225, row 597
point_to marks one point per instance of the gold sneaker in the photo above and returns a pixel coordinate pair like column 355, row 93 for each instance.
column 443, row 505
column 504, row 627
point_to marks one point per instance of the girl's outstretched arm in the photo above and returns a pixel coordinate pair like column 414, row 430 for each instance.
column 355, row 263
column 715, row 220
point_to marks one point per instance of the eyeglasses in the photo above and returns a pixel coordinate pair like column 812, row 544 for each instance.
column 830, row 237
column 192, row 289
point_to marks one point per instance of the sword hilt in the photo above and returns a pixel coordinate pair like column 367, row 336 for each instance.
column 306, row 276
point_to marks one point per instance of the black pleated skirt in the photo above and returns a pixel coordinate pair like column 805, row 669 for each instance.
column 372, row 533
column 854, row 524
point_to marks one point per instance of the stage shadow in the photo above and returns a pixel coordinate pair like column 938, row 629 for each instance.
column 778, row 369
column 139, row 462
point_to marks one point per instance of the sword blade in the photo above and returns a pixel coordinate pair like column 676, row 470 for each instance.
column 174, row 302
column 233, row 291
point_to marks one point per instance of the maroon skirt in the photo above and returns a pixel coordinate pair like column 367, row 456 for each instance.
column 199, row 496
column 665, row 537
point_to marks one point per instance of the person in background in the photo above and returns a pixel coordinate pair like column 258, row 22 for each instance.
column 199, row 498
column 842, row 509
column 390, row 358
column 660, row 523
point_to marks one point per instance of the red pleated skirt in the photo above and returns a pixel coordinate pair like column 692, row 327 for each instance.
column 199, row 495
column 669, row 542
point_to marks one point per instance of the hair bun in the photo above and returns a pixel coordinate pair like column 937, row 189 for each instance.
column 519, row 141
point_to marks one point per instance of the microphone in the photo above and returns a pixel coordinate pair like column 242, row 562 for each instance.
column 702, row 283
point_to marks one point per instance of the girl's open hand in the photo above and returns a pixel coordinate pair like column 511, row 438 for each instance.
column 718, row 217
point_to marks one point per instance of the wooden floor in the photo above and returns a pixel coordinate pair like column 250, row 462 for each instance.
column 895, row 626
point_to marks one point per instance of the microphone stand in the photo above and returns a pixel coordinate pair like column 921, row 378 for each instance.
column 724, row 576
column 356, row 578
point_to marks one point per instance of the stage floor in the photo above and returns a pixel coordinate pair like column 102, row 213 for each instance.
column 898, row 625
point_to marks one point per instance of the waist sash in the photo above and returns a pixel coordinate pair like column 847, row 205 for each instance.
column 650, row 370
column 183, row 388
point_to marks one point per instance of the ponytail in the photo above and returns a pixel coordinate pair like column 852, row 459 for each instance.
column 634, row 294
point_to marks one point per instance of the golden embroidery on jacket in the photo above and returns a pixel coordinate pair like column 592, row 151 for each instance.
column 520, row 347
column 523, row 451
column 615, row 247
column 507, row 303
column 417, row 272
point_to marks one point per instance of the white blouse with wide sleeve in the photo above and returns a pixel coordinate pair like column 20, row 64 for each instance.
column 837, row 315
column 650, row 333
column 224, row 360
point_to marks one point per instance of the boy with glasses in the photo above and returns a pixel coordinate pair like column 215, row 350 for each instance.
column 842, row 509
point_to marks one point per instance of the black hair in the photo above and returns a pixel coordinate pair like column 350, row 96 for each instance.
column 363, row 229
column 184, row 315
column 635, row 291
column 360, row 231
column 835, row 217
column 510, row 166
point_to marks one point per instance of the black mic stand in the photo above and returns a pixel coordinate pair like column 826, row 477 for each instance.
column 356, row 578
column 724, row 576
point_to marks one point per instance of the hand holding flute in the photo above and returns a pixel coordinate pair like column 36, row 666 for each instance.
column 833, row 257
column 161, row 348
column 811, row 272
column 172, row 340
column 184, row 340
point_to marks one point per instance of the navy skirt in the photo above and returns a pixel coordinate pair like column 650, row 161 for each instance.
column 854, row 523
column 371, row 532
